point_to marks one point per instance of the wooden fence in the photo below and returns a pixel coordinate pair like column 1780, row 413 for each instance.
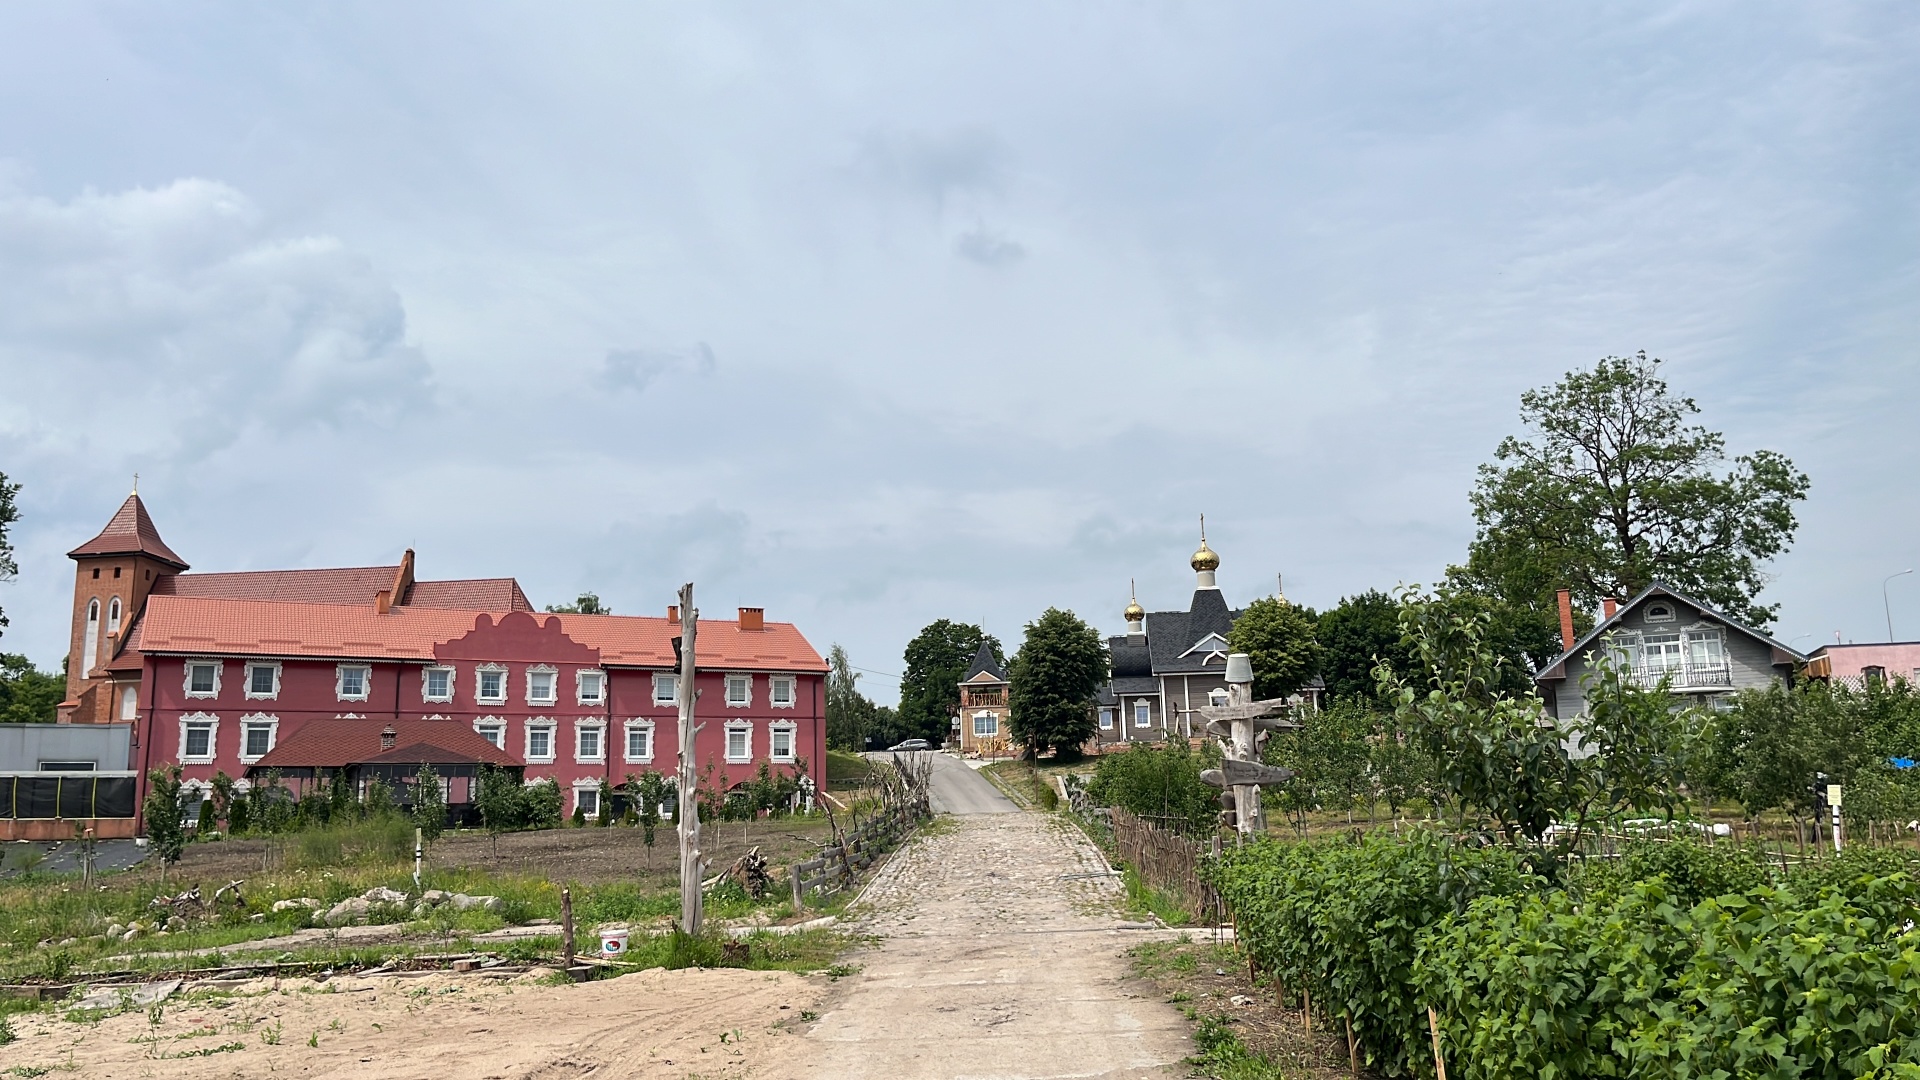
column 1170, row 862
column 839, row 864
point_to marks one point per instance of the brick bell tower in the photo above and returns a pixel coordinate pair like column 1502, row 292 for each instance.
column 114, row 573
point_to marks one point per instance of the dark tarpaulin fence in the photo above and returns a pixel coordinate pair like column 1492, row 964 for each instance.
column 66, row 795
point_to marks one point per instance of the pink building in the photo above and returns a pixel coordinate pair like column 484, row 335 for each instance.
column 308, row 671
column 1855, row 664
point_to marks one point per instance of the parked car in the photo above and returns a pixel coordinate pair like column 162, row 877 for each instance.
column 912, row 744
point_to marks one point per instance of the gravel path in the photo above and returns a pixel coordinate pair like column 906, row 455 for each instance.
column 1001, row 954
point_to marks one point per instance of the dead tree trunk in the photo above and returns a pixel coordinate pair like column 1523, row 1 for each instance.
column 692, row 865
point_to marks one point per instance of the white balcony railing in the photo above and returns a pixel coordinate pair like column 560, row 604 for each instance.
column 1683, row 674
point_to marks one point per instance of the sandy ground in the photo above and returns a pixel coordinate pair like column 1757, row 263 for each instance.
column 650, row 1024
column 1001, row 954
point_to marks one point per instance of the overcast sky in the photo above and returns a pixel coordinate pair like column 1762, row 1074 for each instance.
column 874, row 314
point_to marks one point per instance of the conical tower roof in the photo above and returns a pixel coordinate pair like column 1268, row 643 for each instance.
column 131, row 532
column 984, row 661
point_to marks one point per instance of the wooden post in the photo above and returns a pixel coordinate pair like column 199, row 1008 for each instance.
column 692, row 866
column 1353, row 1049
column 1433, row 1025
column 1306, row 1012
column 799, row 899
column 566, row 931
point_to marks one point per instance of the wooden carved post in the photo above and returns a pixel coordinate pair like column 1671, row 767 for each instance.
column 566, row 931
column 692, row 865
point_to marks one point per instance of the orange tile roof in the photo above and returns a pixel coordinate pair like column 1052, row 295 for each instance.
column 179, row 624
column 333, row 743
column 130, row 532
column 470, row 594
column 334, row 585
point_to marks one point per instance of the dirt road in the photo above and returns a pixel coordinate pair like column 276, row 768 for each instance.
column 1000, row 956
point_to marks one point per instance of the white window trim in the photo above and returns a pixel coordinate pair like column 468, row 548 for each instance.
column 273, row 735
column 539, row 725
column 451, row 676
column 793, row 691
column 213, row 738
column 1106, row 719
column 493, row 721
column 599, row 726
column 1672, row 613
column 626, row 743
column 726, row 690
column 129, row 704
column 479, row 676
column 978, row 717
column 793, row 743
column 247, row 686
column 1137, row 722
column 660, row 680
column 340, row 679
column 192, row 794
column 554, row 675
column 113, row 615
column 90, row 648
column 579, row 687
column 727, row 749
column 186, row 676
column 585, row 784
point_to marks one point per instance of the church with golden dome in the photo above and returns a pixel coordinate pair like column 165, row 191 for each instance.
column 1170, row 663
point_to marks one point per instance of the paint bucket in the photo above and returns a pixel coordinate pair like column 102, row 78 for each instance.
column 613, row 943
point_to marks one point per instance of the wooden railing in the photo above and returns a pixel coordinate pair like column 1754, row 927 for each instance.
column 1169, row 861
column 839, row 864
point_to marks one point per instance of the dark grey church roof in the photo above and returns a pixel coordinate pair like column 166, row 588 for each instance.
column 984, row 661
column 1136, row 685
column 1130, row 655
column 1171, row 633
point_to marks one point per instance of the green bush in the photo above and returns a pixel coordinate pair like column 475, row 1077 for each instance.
column 1342, row 919
column 1160, row 782
column 1773, row 982
column 1692, row 870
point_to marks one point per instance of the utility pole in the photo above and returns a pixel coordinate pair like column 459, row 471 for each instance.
column 693, row 866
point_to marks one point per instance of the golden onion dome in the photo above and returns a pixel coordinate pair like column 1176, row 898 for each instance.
column 1135, row 612
column 1205, row 559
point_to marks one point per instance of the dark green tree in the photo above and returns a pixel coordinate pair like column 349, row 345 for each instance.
column 1614, row 488
column 1359, row 633
column 936, row 660
column 849, row 712
column 9, row 513
column 1053, row 681
column 1161, row 783
column 28, row 695
column 429, row 803
column 166, row 817
column 1279, row 638
column 585, row 604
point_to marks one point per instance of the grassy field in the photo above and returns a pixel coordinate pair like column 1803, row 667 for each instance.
column 54, row 931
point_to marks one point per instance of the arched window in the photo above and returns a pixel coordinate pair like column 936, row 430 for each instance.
column 90, row 649
column 113, row 616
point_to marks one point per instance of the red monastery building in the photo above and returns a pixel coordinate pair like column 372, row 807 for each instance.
column 307, row 671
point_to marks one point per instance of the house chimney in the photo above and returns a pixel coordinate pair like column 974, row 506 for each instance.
column 388, row 737
column 1566, row 619
column 753, row 618
column 673, row 612
column 1608, row 605
column 383, row 601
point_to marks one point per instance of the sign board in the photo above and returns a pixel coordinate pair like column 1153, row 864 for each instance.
column 1833, row 796
column 1224, row 730
column 1249, row 711
column 1236, row 773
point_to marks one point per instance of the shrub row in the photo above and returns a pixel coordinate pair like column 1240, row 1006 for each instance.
column 1680, row 961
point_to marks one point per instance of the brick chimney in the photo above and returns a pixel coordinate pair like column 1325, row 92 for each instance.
column 673, row 612
column 1608, row 605
column 388, row 737
column 1566, row 619
column 753, row 618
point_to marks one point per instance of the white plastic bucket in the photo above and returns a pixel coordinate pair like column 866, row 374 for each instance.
column 613, row 943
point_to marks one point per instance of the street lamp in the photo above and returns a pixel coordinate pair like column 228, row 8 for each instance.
column 1887, row 607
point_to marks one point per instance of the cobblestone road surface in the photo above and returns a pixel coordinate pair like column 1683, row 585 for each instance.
column 1001, row 954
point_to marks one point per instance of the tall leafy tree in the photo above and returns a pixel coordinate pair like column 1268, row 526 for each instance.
column 9, row 513
column 27, row 694
column 1053, row 681
column 1358, row 634
column 850, row 714
column 1614, row 487
column 1279, row 639
column 937, row 659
